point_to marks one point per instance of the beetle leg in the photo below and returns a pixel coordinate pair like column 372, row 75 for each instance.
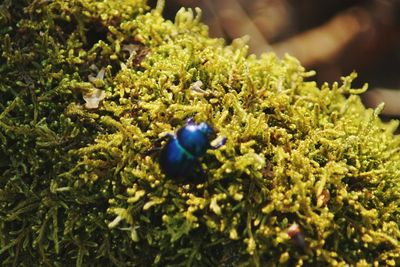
column 157, row 144
column 163, row 138
column 221, row 143
column 199, row 171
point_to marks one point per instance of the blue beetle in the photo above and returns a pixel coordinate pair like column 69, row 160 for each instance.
column 179, row 157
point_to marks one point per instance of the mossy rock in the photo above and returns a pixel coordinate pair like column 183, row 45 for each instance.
column 78, row 185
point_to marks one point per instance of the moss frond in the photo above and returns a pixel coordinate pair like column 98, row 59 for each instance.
column 78, row 186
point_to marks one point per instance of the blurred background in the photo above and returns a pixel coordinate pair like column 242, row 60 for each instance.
column 333, row 37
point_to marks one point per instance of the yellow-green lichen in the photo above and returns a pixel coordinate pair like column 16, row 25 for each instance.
column 79, row 186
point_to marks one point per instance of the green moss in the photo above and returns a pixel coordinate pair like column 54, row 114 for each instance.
column 77, row 185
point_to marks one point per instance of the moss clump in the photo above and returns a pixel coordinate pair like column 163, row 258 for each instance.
column 77, row 185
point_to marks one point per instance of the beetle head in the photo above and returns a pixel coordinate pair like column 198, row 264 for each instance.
column 207, row 130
